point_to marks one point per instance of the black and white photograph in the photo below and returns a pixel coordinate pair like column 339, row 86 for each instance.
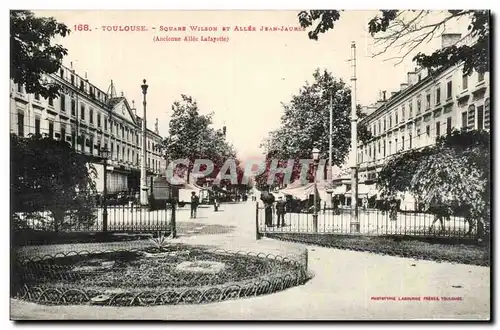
column 250, row 165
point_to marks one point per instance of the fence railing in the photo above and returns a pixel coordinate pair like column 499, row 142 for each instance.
column 121, row 218
column 371, row 222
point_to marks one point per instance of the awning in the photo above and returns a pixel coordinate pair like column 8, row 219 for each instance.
column 301, row 192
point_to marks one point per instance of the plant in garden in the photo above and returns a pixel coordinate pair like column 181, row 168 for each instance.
column 160, row 242
column 48, row 175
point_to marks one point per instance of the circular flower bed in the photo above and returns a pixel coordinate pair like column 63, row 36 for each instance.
column 171, row 275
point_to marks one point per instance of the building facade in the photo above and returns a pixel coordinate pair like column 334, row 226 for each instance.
column 427, row 105
column 88, row 119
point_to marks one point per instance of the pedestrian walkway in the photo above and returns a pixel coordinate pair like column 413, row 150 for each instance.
column 342, row 288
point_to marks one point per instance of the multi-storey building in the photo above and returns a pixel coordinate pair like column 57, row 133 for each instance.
column 426, row 106
column 88, row 118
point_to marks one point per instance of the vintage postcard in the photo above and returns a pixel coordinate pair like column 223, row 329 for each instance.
column 250, row 165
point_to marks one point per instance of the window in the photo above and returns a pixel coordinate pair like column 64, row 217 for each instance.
column 112, row 145
column 105, row 124
column 390, row 120
column 480, row 117
column 20, row 124
column 82, row 87
column 471, row 117
column 410, row 109
column 137, row 159
column 149, row 145
column 123, row 132
column 379, row 130
column 73, row 79
column 418, row 133
column 149, row 162
column 465, row 81
column 397, row 121
column 410, row 140
column 98, row 120
column 51, row 101
column 384, row 148
column 464, row 119
column 390, row 147
column 37, row 96
column 402, row 143
column 128, row 154
column 117, row 152
column 396, row 145
column 73, row 137
column 73, row 107
column 37, row 126
column 19, row 88
column 63, row 102
column 385, row 127
column 428, row 101
column 51, row 129
column 438, row 129
column 448, row 90
column 123, row 153
column 63, row 133
column 82, row 112
column 428, row 130
column 438, row 95
column 448, row 125
column 91, row 116
column 403, row 113
column 480, row 77
column 379, row 147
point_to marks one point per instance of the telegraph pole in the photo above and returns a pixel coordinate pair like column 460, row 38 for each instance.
column 329, row 173
column 354, row 146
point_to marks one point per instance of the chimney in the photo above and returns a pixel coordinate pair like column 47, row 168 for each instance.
column 449, row 39
column 383, row 96
column 133, row 108
column 412, row 78
column 403, row 86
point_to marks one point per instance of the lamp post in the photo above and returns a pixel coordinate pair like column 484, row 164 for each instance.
column 354, row 225
column 315, row 155
column 105, row 155
column 144, row 183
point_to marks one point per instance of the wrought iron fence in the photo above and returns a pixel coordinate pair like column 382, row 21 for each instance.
column 121, row 218
column 371, row 222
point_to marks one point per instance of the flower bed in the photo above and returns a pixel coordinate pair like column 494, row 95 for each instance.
column 396, row 246
column 171, row 275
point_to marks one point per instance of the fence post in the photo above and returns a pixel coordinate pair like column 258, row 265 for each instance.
column 173, row 228
column 257, row 235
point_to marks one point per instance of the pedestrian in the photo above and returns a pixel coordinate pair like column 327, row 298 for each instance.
column 195, row 200
column 216, row 204
column 280, row 211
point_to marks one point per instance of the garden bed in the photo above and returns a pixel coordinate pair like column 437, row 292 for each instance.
column 172, row 275
column 440, row 250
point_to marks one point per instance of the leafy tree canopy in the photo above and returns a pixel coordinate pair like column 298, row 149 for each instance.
column 48, row 175
column 407, row 29
column 32, row 53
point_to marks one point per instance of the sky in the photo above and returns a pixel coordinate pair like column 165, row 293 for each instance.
column 242, row 80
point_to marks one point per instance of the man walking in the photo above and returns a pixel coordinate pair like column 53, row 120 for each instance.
column 195, row 200
column 280, row 211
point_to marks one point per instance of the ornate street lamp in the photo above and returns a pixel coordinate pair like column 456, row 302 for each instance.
column 144, row 183
column 315, row 155
column 104, row 155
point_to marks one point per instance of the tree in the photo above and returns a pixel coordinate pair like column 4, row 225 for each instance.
column 450, row 177
column 407, row 29
column 48, row 175
column 32, row 54
column 192, row 137
column 305, row 124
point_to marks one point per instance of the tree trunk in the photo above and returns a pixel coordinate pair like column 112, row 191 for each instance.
column 58, row 216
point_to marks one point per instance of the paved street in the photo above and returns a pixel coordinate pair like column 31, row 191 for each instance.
column 342, row 286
